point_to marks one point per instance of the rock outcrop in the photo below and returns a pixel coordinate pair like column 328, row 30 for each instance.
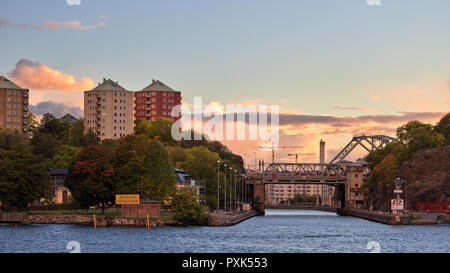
column 428, row 176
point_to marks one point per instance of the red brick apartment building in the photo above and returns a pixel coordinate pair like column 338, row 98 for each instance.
column 155, row 101
column 13, row 106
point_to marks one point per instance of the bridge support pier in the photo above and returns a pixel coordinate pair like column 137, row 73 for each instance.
column 258, row 196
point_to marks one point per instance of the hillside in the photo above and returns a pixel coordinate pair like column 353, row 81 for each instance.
column 428, row 175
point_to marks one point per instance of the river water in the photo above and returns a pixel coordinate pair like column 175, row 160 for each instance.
column 278, row 231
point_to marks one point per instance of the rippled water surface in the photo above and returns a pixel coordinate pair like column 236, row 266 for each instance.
column 277, row 231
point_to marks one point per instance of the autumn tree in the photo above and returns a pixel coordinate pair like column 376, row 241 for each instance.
column 381, row 181
column 90, row 179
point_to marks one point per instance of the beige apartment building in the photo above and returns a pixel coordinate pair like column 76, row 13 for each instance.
column 275, row 193
column 108, row 110
column 13, row 106
column 354, row 195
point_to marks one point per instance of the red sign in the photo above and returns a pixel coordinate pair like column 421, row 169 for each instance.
column 397, row 204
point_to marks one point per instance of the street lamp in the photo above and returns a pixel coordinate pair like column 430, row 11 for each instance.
column 231, row 187
column 218, row 183
column 235, row 191
column 225, row 190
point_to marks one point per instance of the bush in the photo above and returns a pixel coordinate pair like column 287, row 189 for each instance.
column 186, row 208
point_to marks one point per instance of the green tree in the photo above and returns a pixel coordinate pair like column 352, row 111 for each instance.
column 160, row 130
column 23, row 177
column 418, row 137
column 443, row 127
column 32, row 123
column 143, row 167
column 50, row 134
column 201, row 163
column 78, row 138
column 90, row 179
column 65, row 156
column 186, row 208
column 10, row 138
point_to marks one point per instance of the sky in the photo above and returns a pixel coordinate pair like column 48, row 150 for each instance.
column 336, row 68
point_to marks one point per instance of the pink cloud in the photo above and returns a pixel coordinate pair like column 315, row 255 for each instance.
column 35, row 76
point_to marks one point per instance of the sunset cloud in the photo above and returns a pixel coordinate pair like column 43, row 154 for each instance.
column 356, row 108
column 71, row 24
column 307, row 130
column 54, row 25
column 36, row 76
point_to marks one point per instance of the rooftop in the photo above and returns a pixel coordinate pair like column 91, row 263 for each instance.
column 157, row 85
column 7, row 84
column 108, row 85
column 68, row 118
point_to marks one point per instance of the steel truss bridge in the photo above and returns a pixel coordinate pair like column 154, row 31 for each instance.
column 370, row 143
column 332, row 173
column 300, row 173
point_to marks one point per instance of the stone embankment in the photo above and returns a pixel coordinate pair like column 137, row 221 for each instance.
column 88, row 220
column 376, row 216
column 229, row 220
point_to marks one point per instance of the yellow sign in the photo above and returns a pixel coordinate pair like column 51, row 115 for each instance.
column 127, row 199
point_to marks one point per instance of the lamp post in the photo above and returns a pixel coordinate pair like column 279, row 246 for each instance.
column 218, row 183
column 225, row 189
column 235, row 191
column 231, row 187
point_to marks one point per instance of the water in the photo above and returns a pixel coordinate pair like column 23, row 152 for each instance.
column 278, row 231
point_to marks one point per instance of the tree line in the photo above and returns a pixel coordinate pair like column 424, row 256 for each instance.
column 136, row 164
column 412, row 138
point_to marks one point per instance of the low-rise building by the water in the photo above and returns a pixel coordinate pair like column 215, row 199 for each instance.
column 57, row 177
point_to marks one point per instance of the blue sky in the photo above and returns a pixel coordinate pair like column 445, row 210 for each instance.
column 342, row 58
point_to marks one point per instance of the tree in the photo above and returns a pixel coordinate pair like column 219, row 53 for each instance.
column 443, row 127
column 65, row 156
column 381, row 180
column 50, row 134
column 90, row 179
column 78, row 138
column 32, row 122
column 10, row 138
column 418, row 137
column 23, row 177
column 143, row 167
column 160, row 130
column 186, row 208
column 201, row 163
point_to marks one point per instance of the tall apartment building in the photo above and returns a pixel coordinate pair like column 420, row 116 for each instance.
column 155, row 101
column 13, row 106
column 275, row 193
column 108, row 110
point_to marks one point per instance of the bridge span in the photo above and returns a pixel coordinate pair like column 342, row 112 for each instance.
column 346, row 177
column 302, row 207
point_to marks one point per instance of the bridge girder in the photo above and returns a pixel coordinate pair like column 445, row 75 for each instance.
column 373, row 143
